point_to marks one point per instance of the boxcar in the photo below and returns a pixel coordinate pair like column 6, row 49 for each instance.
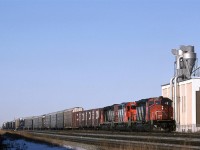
column 47, row 121
column 4, row 125
column 60, row 119
column 10, row 125
column 87, row 119
column 69, row 120
column 19, row 123
column 93, row 118
column 35, row 122
column 53, row 120
column 75, row 120
column 64, row 117
column 83, row 119
column 28, row 123
column 41, row 122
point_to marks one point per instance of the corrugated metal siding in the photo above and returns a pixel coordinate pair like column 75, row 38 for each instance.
column 82, row 121
column 17, row 124
column 89, row 118
column 70, row 118
column 97, row 117
column 41, row 122
column 28, row 123
column 67, row 119
column 75, row 120
column 60, row 119
column 36, row 122
column 47, row 121
column 80, row 118
column 93, row 118
column 53, row 120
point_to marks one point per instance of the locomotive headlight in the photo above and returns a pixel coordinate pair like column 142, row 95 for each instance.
column 162, row 107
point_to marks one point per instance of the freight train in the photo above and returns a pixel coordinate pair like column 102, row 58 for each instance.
column 142, row 115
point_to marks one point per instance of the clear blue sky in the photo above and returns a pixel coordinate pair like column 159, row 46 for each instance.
column 57, row 54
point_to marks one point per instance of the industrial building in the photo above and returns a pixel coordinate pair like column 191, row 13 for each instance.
column 184, row 90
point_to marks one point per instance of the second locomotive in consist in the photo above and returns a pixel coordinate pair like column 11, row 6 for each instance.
column 142, row 115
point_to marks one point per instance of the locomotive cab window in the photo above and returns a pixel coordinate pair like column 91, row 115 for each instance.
column 170, row 103
column 133, row 107
column 166, row 102
column 151, row 103
column 158, row 103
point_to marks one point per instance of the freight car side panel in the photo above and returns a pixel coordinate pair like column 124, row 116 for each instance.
column 89, row 118
column 53, row 120
column 28, row 123
column 75, row 120
column 83, row 119
column 17, row 124
column 81, row 123
column 41, row 122
column 67, row 119
column 86, row 119
column 97, row 117
column 93, row 118
column 60, row 120
column 35, row 122
column 47, row 121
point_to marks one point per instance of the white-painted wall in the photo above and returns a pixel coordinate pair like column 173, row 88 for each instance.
column 186, row 105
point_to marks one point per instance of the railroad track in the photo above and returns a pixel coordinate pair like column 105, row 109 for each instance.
column 100, row 132
column 130, row 140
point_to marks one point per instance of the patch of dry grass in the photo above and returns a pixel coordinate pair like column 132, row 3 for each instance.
column 2, row 132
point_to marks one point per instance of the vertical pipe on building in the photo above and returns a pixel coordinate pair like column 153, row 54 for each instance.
column 176, row 112
column 175, row 99
column 171, row 95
